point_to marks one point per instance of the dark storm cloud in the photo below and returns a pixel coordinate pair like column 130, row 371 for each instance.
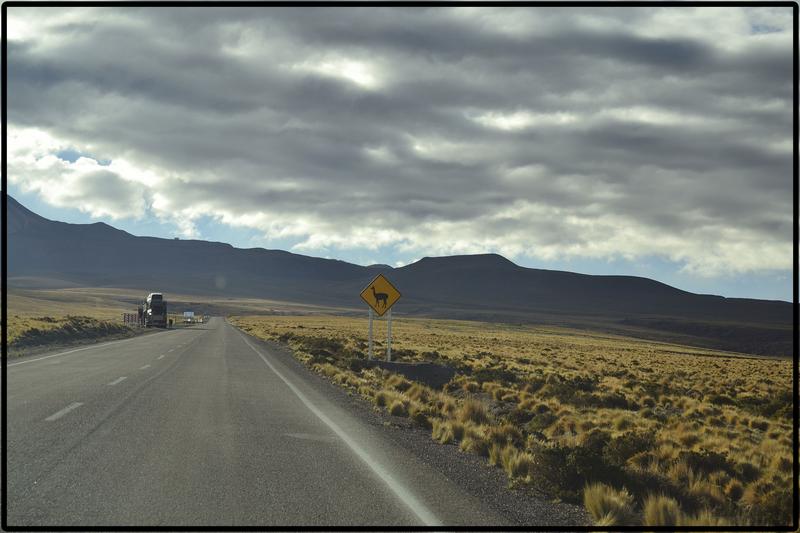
column 542, row 132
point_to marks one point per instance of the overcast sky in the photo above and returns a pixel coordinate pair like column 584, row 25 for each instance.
column 645, row 141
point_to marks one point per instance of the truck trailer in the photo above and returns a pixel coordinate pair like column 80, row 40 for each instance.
column 155, row 311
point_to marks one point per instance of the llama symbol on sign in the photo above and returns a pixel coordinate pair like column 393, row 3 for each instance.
column 379, row 296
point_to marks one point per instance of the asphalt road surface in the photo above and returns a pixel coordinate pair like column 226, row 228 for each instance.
column 204, row 427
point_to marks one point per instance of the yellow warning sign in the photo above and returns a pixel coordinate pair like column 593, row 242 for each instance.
column 380, row 294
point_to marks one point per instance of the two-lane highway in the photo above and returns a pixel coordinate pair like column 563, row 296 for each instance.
column 204, row 427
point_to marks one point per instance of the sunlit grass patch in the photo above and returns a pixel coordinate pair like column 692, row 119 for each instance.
column 568, row 410
column 608, row 506
column 29, row 331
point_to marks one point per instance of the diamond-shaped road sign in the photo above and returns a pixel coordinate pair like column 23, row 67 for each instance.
column 380, row 294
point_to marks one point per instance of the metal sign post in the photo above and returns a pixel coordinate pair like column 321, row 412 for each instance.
column 370, row 333
column 389, row 337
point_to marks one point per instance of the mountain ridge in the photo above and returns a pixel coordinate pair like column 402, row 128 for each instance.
column 484, row 286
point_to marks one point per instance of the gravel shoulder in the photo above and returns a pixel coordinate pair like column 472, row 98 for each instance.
column 523, row 506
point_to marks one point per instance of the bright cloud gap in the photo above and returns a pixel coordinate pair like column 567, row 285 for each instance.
column 543, row 134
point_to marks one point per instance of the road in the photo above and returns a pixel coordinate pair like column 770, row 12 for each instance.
column 205, row 426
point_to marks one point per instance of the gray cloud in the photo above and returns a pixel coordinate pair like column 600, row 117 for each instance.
column 535, row 131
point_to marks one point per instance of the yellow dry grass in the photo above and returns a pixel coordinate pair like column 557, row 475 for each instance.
column 711, row 430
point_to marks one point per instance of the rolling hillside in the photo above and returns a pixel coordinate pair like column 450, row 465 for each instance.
column 42, row 252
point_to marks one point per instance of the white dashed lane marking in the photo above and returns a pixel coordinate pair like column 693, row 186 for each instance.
column 118, row 380
column 144, row 367
column 67, row 409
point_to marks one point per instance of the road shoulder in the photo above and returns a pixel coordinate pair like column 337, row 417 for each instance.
column 22, row 353
column 520, row 506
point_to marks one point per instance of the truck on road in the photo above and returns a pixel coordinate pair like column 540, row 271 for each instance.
column 154, row 311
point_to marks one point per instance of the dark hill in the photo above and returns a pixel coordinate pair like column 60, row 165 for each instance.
column 485, row 287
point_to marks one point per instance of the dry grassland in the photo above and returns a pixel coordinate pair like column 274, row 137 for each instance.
column 45, row 316
column 36, row 318
column 641, row 432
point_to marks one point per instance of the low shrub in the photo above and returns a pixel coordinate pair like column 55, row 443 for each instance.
column 355, row 364
column 495, row 374
column 747, row 472
column 533, row 385
column 519, row 416
column 320, row 345
column 769, row 506
column 622, row 448
column 706, row 461
column 540, row 422
column 734, row 490
column 720, row 399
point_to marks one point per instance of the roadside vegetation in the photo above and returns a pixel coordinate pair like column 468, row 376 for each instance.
column 33, row 331
column 641, row 433
column 42, row 318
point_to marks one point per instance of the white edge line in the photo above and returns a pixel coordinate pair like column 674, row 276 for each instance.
column 67, row 409
column 72, row 351
column 419, row 509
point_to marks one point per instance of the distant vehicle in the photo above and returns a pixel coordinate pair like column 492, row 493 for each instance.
column 155, row 311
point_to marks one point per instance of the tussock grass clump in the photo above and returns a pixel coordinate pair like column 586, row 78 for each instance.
column 447, row 431
column 398, row 408
column 475, row 441
column 445, row 405
column 704, row 518
column 734, row 490
column 660, row 510
column 608, row 506
column 495, row 455
column 418, row 392
column 504, row 434
column 781, row 464
column 421, row 414
column 382, row 398
column 517, row 464
column 473, row 411
column 471, row 387
column 398, row 382
column 326, row 369
column 570, row 409
column 387, row 398
column 622, row 423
